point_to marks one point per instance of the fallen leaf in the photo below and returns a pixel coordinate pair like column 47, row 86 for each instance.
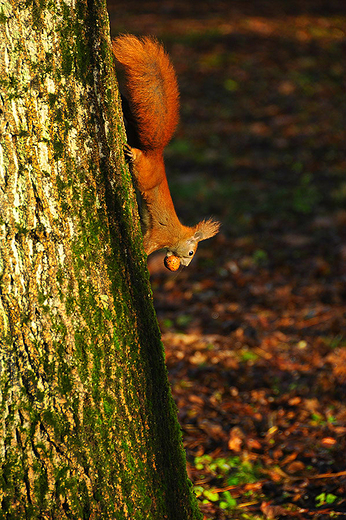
column 271, row 512
column 235, row 440
column 328, row 441
column 295, row 467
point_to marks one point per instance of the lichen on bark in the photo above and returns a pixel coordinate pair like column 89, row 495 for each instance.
column 88, row 427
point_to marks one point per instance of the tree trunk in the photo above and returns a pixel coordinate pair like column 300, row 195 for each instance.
column 88, row 426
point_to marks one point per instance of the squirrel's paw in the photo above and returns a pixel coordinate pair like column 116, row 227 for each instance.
column 129, row 156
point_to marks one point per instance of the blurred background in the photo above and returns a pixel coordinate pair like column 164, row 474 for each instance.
column 255, row 328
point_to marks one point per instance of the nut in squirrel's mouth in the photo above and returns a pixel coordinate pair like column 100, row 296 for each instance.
column 172, row 262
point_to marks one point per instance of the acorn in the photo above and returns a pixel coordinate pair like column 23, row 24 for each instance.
column 172, row 262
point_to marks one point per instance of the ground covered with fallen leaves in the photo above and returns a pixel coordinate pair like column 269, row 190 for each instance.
column 255, row 328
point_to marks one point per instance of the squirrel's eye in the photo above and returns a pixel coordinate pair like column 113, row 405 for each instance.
column 190, row 253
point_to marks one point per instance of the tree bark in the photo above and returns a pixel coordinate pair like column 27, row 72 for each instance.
column 88, row 427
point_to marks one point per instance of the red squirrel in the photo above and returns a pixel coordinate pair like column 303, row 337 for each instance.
column 149, row 86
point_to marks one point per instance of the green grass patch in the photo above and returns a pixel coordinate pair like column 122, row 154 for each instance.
column 226, row 471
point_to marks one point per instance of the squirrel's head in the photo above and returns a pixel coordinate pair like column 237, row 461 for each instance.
column 185, row 249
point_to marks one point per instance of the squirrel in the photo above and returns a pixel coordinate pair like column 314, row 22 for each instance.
column 150, row 98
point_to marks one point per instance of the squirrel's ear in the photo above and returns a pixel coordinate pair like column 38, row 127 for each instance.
column 206, row 229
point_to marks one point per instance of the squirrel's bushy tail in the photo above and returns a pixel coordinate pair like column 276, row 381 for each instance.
column 151, row 88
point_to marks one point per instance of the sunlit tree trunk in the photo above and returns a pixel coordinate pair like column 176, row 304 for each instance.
column 88, row 427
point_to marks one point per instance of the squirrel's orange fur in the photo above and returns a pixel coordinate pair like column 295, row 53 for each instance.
column 150, row 88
